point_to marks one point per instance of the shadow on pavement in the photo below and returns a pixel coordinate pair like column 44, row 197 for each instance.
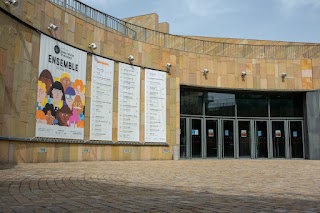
column 93, row 195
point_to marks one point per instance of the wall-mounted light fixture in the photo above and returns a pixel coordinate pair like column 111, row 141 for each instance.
column 283, row 76
column 93, row 46
column 53, row 27
column 205, row 72
column 131, row 58
column 13, row 2
column 243, row 75
column 168, row 66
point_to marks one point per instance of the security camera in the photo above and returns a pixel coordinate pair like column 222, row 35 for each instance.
column 243, row 74
column 130, row 58
column 283, row 75
column 53, row 27
column 13, row 2
column 93, row 46
column 205, row 71
column 168, row 65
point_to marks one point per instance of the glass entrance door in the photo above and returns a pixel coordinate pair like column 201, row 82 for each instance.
column 183, row 138
column 278, row 139
column 244, row 139
column 228, row 138
column 212, row 138
column 196, row 138
column 261, row 139
column 296, row 139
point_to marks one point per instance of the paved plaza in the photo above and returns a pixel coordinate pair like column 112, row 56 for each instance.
column 162, row 186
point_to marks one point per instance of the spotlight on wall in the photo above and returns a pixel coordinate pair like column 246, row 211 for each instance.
column 93, row 46
column 13, row 2
column 131, row 58
column 205, row 72
column 53, row 27
column 243, row 75
column 283, row 76
column 168, row 65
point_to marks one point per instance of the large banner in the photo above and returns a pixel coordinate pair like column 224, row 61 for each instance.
column 129, row 103
column 155, row 106
column 61, row 90
column 101, row 99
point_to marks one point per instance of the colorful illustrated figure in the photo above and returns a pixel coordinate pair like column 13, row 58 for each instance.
column 65, row 80
column 80, row 124
column 70, row 95
column 41, row 117
column 80, row 90
column 46, row 78
column 57, row 95
column 50, row 114
column 77, row 105
column 63, row 116
column 74, row 119
column 41, row 95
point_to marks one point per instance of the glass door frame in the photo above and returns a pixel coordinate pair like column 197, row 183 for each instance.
column 302, row 137
column 221, row 139
column 237, row 145
column 218, row 132
column 286, row 138
column 255, row 153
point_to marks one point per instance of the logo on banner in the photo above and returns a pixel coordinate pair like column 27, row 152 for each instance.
column 57, row 49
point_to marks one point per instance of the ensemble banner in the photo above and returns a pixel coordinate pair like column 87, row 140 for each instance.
column 129, row 103
column 155, row 106
column 101, row 99
column 61, row 90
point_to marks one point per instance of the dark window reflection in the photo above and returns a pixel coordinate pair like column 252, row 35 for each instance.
column 252, row 105
column 286, row 105
column 220, row 104
column 191, row 102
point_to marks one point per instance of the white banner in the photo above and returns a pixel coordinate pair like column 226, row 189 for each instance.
column 129, row 103
column 155, row 106
column 61, row 90
column 101, row 99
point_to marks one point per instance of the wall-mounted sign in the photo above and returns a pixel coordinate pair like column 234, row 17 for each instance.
column 155, row 106
column 243, row 133
column 226, row 132
column 61, row 90
column 129, row 103
column 210, row 133
column 101, row 99
column 259, row 133
column 278, row 133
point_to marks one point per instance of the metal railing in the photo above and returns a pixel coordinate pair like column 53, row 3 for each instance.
column 290, row 51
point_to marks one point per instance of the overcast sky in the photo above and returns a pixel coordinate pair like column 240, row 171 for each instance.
column 282, row 20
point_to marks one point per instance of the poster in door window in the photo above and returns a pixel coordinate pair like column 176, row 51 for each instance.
column 226, row 132
column 278, row 133
column 243, row 133
column 211, row 133
column 295, row 134
column 259, row 133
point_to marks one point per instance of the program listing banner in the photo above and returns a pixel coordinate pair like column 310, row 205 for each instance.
column 101, row 99
column 129, row 103
column 61, row 90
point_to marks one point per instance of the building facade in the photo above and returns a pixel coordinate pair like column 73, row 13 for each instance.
column 77, row 85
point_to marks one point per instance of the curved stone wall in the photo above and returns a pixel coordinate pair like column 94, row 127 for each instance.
column 19, row 50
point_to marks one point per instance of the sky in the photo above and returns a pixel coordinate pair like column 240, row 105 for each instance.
column 279, row 20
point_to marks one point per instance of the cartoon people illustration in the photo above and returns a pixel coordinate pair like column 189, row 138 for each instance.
column 65, row 80
column 78, row 106
column 57, row 95
column 40, row 117
column 70, row 95
column 41, row 95
column 50, row 114
column 80, row 90
column 63, row 116
column 74, row 119
column 47, row 79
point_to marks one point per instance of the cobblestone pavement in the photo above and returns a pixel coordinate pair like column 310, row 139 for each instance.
column 162, row 186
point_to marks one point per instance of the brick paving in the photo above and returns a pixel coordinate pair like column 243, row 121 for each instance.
column 162, row 186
